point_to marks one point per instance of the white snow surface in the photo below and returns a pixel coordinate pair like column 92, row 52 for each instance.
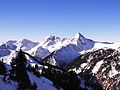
column 113, row 72
column 97, row 66
column 7, row 86
column 42, row 82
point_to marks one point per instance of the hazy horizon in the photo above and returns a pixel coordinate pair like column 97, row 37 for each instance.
column 36, row 19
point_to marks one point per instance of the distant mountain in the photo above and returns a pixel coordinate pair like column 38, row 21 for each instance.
column 25, row 44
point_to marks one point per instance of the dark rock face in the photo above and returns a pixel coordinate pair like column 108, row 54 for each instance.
column 104, row 63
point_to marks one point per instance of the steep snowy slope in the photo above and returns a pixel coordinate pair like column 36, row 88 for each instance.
column 80, row 41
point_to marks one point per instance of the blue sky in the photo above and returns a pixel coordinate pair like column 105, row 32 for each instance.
column 36, row 19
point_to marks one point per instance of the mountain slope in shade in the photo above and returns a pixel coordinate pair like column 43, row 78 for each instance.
column 11, row 44
column 4, row 51
column 40, row 52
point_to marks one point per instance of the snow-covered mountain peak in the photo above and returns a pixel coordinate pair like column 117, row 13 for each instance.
column 52, row 37
column 79, row 36
column 50, row 41
column 25, row 44
column 78, row 39
column 25, row 41
column 11, row 41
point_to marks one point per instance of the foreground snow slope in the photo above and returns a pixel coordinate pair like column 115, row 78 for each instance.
column 42, row 83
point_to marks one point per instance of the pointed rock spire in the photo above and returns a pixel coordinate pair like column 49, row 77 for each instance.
column 79, row 36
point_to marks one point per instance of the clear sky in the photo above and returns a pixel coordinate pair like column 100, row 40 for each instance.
column 36, row 19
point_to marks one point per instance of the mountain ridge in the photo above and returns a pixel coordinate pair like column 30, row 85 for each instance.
column 67, row 49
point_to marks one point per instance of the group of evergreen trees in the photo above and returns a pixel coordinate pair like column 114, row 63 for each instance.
column 34, row 70
column 2, row 68
column 60, row 79
column 19, row 73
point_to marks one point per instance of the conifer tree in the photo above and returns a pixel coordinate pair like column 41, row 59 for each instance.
column 19, row 72
column 2, row 68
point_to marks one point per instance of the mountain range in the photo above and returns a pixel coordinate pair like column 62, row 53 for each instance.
column 78, row 54
column 66, row 49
